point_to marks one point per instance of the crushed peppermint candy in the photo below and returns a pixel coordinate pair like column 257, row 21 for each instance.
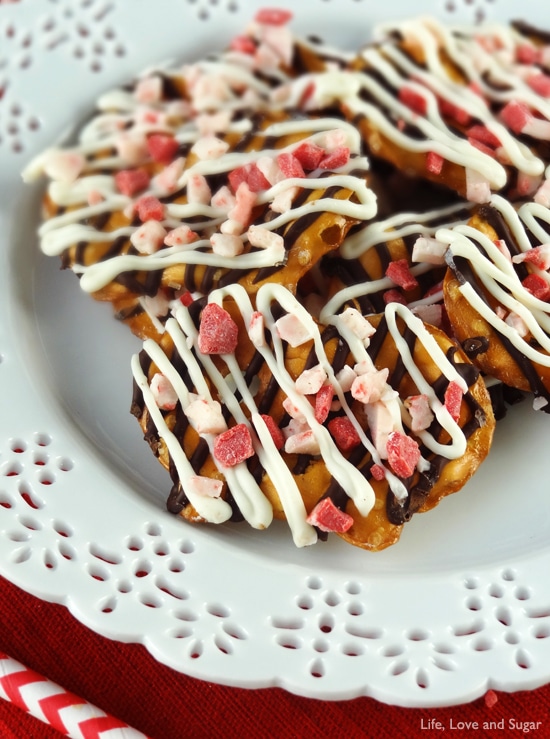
column 538, row 256
column 303, row 442
column 329, row 518
column 291, row 329
column 162, row 147
column 357, row 323
column 180, row 236
column 198, row 190
column 429, row 250
column 274, row 431
column 403, row 454
column 537, row 286
column 226, row 245
column 369, row 386
column 311, row 380
column 63, row 166
column 163, row 392
column 218, row 332
column 205, row 486
column 206, row 416
column 263, row 238
column 256, row 329
column 233, row 446
column 131, row 181
column 323, row 403
column 149, row 237
column 209, row 147
column 378, row 472
column 399, row 272
column 344, row 433
column 419, row 411
column 149, row 208
column 453, row 399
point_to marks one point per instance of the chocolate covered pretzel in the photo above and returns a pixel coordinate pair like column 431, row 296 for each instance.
column 497, row 293
column 260, row 412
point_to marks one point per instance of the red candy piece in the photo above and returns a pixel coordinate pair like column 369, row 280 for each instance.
column 539, row 256
column 186, row 298
column 378, row 472
column 393, row 296
column 527, row 54
column 403, row 454
column 453, row 399
column 323, row 401
column 458, row 114
column 290, row 165
column 515, row 115
column 309, row 155
column 537, row 286
column 413, row 100
column 250, row 174
column 434, row 162
column 275, row 431
column 482, row 147
column 273, row 16
column 491, row 698
column 400, row 273
column 307, row 94
column 218, row 332
column 540, row 83
column 162, row 147
column 327, row 517
column 149, row 208
column 131, row 181
column 233, row 446
column 244, row 44
column 335, row 159
column 484, row 136
column 344, row 433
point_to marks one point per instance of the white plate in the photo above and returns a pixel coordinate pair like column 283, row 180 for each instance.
column 460, row 604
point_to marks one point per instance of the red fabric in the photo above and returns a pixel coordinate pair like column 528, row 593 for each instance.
column 126, row 682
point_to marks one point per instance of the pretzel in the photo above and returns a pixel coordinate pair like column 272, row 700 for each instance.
column 147, row 204
column 278, row 416
column 457, row 106
column 497, row 290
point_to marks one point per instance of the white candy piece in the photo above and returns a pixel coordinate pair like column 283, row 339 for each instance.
column 63, row 166
column 148, row 90
column 369, row 387
column 209, row 147
column 345, row 378
column 429, row 250
column 206, row 416
column 256, row 329
column 420, row 412
column 131, row 147
column 263, row 238
column 302, row 443
column 357, row 323
column 311, row 380
column 478, row 189
column 381, row 425
column 226, row 245
column 167, row 180
column 198, row 190
column 207, row 486
column 292, row 330
column 149, row 237
column 164, row 394
column 180, row 236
